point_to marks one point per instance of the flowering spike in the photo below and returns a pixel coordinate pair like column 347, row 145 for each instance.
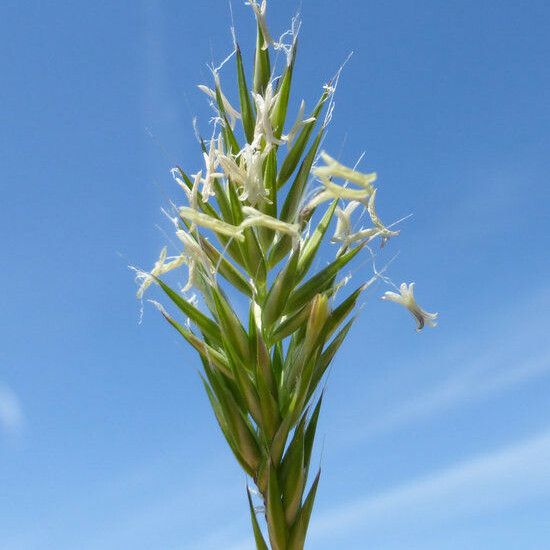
column 261, row 380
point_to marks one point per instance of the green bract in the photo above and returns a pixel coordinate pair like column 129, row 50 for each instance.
column 241, row 221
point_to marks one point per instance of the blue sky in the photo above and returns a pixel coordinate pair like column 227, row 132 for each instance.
column 438, row 440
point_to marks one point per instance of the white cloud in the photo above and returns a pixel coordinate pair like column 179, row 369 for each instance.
column 11, row 413
column 473, row 383
column 485, row 484
column 477, row 369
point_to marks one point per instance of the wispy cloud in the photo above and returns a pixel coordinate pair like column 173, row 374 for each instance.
column 485, row 218
column 491, row 482
column 477, row 369
column 11, row 412
column 170, row 501
column 158, row 104
column 472, row 384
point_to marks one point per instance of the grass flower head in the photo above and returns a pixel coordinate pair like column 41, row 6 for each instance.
column 247, row 229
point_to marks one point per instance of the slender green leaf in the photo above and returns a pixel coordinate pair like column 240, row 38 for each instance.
column 247, row 114
column 333, row 347
column 310, row 433
column 280, row 290
column 303, row 385
column 223, row 202
column 275, row 513
column 206, row 352
column 290, row 324
column 249, row 393
column 285, row 243
column 296, row 191
column 312, row 244
column 264, row 365
column 257, row 267
column 318, row 283
column 224, row 427
column 314, row 336
column 278, row 114
column 299, row 145
column 269, row 206
column 226, row 268
column 234, row 203
column 279, row 441
column 205, row 324
column 258, row 536
column 299, row 531
column 243, row 433
column 251, row 251
column 342, row 311
column 292, row 474
column 327, row 356
column 277, row 362
column 262, row 66
column 270, row 419
column 223, row 385
column 233, row 333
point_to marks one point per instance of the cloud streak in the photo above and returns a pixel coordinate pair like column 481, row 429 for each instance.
column 493, row 481
column 472, row 384
column 504, row 362
column 11, row 412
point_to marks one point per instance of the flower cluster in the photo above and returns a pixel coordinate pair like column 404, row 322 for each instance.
column 248, row 218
